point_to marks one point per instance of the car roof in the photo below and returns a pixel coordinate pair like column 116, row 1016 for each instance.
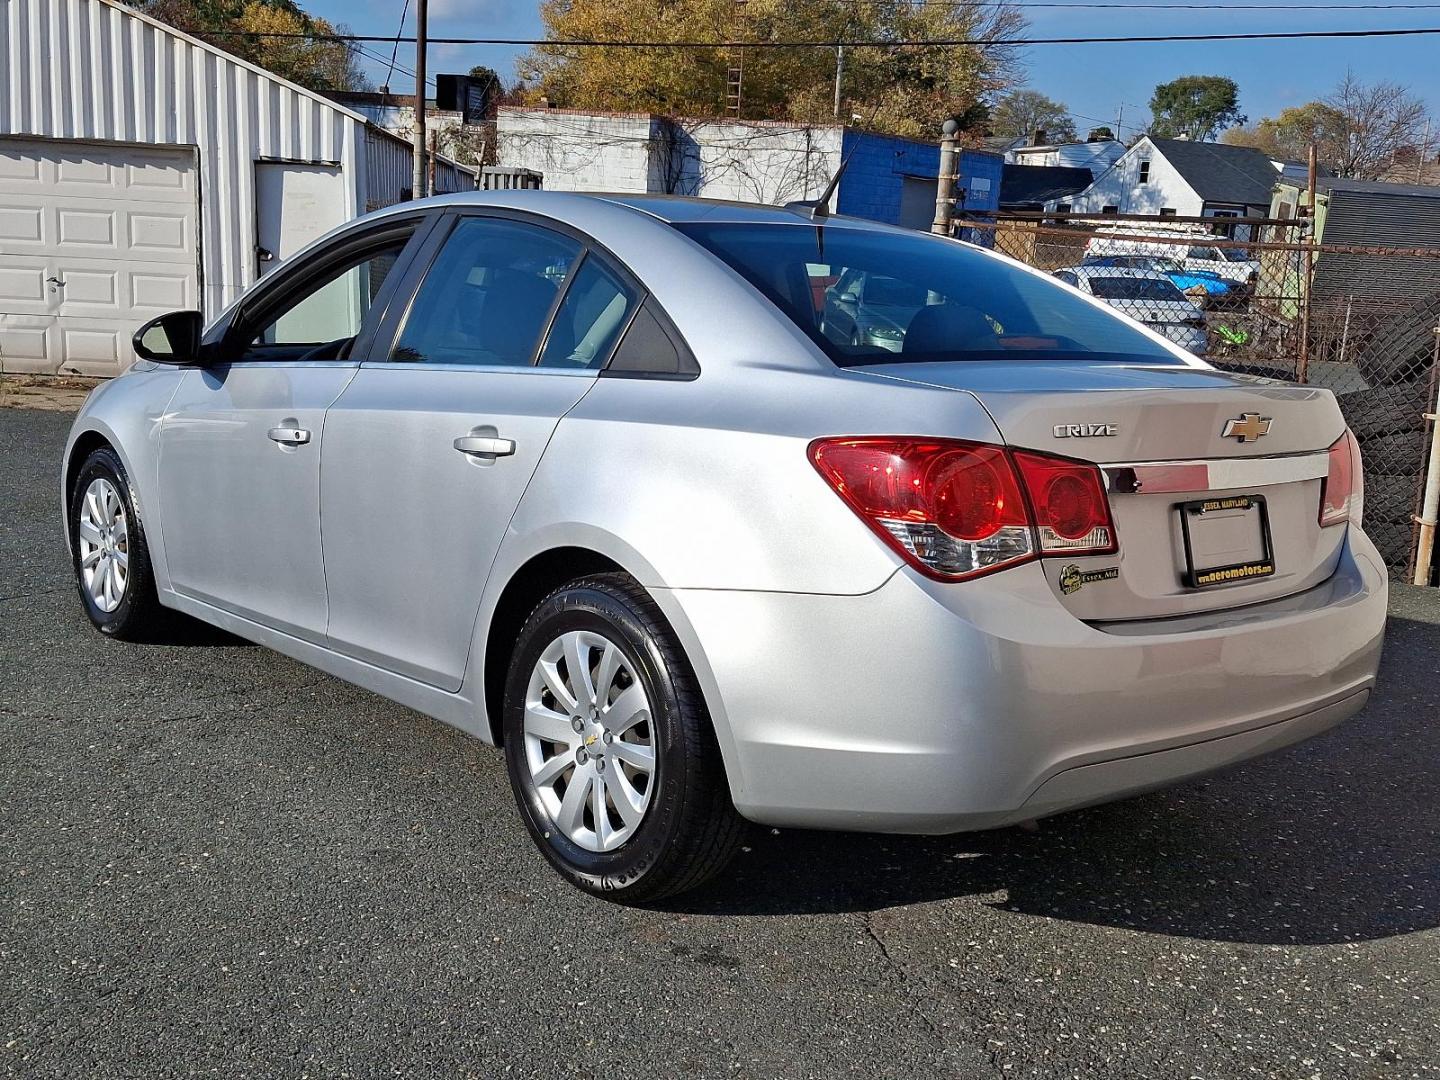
column 671, row 209
column 1116, row 272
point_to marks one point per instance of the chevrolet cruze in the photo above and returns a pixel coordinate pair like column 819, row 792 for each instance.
column 598, row 479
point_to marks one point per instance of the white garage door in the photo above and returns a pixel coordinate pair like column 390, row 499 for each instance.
column 94, row 240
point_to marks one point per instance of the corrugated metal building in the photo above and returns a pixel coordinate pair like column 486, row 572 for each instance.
column 1371, row 213
column 143, row 171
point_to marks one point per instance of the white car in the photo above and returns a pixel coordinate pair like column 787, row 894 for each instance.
column 1193, row 248
column 1147, row 296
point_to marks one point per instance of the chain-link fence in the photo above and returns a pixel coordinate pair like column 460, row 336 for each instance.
column 1256, row 297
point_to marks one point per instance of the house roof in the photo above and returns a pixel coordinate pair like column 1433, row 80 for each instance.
column 1222, row 173
column 1329, row 184
column 1024, row 185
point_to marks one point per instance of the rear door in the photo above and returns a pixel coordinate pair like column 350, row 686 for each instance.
column 429, row 449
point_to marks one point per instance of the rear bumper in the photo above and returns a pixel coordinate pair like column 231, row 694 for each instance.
column 931, row 708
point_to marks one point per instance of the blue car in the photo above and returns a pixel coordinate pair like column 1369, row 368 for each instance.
column 1216, row 288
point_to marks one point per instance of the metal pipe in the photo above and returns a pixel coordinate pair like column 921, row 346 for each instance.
column 839, row 76
column 1308, row 273
column 945, row 182
column 1430, row 506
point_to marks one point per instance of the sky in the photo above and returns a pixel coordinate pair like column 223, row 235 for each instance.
column 1096, row 82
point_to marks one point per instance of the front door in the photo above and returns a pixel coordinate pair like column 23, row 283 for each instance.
column 428, row 453
column 240, row 444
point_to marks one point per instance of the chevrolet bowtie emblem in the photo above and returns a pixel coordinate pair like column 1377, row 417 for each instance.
column 1247, row 428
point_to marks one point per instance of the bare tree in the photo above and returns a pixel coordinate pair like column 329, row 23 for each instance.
column 1379, row 121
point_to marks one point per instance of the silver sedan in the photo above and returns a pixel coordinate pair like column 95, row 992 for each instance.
column 596, row 479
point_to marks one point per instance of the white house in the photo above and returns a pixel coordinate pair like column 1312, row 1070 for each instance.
column 142, row 170
column 1179, row 177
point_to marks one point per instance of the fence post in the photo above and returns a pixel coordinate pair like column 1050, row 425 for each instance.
column 1307, row 277
column 1425, row 548
column 945, row 183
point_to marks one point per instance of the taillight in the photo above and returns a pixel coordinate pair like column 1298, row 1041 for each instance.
column 956, row 510
column 1342, row 492
column 1072, row 514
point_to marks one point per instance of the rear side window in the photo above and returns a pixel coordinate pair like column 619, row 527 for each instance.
column 487, row 297
column 590, row 320
column 923, row 299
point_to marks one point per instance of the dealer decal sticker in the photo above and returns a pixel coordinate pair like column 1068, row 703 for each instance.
column 1073, row 579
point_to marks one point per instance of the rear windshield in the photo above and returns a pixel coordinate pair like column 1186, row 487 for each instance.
column 874, row 297
column 1122, row 288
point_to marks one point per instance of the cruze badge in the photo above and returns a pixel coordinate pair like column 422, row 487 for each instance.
column 1085, row 431
column 1247, row 427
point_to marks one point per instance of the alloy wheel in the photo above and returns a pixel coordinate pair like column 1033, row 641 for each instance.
column 104, row 538
column 590, row 745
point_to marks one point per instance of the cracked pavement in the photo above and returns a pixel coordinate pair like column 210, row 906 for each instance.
column 221, row 863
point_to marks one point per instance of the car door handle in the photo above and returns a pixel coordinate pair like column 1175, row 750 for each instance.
column 290, row 436
column 485, row 446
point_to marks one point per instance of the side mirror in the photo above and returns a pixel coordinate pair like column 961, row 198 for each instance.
column 173, row 338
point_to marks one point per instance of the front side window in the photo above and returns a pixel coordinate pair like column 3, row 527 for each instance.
column 923, row 299
column 322, row 319
column 487, row 297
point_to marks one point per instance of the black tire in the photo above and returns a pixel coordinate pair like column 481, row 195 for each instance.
column 691, row 829
column 1385, row 410
column 139, row 615
column 1405, row 350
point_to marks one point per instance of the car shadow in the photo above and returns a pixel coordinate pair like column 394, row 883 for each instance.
column 1335, row 840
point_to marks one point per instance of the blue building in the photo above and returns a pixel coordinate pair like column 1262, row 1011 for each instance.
column 893, row 180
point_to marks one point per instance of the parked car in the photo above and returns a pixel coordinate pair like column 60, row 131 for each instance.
column 1202, row 286
column 692, row 559
column 863, row 308
column 1193, row 247
column 1147, row 296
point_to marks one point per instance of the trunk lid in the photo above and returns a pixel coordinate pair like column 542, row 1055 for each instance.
column 1186, row 499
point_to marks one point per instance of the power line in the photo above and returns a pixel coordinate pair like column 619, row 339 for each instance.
column 583, row 43
column 395, row 52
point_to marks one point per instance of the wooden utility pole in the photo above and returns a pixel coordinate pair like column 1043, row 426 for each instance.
column 420, row 175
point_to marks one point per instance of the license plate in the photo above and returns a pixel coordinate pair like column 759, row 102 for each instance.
column 1227, row 540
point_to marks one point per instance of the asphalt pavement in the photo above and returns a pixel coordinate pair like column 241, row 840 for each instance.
column 221, row 863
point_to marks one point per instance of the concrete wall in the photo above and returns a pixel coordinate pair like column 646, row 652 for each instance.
column 579, row 151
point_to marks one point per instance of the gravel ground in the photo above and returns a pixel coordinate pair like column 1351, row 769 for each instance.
column 222, row 863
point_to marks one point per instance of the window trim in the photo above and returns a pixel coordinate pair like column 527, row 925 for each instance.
column 387, row 332
column 278, row 289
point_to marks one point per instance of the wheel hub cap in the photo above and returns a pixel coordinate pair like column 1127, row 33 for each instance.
column 589, row 740
column 103, row 538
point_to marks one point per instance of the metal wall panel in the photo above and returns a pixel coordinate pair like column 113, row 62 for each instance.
column 390, row 170
column 1371, row 219
column 94, row 71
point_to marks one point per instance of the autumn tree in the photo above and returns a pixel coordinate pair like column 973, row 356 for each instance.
column 1196, row 107
column 1023, row 112
column 263, row 32
column 905, row 89
column 1358, row 129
